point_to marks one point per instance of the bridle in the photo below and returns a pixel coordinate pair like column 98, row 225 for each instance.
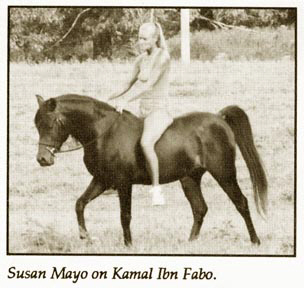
column 54, row 150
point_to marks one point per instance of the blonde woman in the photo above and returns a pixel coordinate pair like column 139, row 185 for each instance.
column 149, row 82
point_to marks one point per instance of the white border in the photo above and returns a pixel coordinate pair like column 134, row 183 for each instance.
column 230, row 271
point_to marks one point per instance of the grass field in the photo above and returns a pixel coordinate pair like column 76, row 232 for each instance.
column 239, row 44
column 41, row 200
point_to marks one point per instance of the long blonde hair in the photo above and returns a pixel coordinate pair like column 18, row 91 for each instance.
column 161, row 42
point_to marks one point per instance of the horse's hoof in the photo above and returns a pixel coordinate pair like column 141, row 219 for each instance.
column 84, row 235
column 256, row 242
column 128, row 244
column 193, row 237
column 91, row 240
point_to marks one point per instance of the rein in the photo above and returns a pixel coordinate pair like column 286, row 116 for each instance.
column 53, row 150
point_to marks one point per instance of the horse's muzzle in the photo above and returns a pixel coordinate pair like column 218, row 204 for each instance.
column 45, row 161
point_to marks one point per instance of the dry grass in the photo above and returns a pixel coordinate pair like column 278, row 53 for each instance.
column 41, row 200
column 236, row 44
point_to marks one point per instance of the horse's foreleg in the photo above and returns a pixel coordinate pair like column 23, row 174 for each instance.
column 192, row 190
column 125, row 199
column 95, row 189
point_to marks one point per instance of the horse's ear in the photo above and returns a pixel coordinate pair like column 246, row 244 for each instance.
column 40, row 100
column 51, row 104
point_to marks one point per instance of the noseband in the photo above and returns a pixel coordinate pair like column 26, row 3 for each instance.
column 50, row 148
column 53, row 149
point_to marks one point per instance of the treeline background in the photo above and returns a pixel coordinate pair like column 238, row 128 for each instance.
column 79, row 34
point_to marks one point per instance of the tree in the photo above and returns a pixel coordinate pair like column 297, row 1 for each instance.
column 242, row 17
column 185, row 35
column 37, row 34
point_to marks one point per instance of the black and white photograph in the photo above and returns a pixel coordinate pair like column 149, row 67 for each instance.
column 151, row 131
column 151, row 144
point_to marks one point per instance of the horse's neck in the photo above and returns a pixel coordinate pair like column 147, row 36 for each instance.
column 85, row 124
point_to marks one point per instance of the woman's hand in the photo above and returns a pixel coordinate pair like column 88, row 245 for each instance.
column 120, row 106
column 120, row 103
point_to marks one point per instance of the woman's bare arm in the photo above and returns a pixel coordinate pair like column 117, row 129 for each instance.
column 131, row 81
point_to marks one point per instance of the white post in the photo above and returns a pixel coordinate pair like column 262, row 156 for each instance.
column 185, row 36
column 152, row 15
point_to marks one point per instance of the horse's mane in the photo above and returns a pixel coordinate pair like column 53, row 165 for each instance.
column 83, row 100
column 75, row 98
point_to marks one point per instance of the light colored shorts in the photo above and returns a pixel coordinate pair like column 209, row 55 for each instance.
column 147, row 106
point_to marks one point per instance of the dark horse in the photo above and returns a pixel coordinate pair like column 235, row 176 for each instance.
column 193, row 144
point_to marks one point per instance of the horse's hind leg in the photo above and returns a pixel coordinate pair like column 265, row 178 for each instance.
column 94, row 189
column 229, row 184
column 192, row 190
column 125, row 199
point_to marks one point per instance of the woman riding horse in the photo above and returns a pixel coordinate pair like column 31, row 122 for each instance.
column 202, row 142
column 149, row 81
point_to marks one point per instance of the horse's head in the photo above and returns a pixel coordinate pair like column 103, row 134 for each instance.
column 52, row 133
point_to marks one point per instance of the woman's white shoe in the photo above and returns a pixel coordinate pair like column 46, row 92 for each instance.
column 158, row 198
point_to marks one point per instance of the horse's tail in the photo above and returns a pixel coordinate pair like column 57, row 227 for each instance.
column 238, row 120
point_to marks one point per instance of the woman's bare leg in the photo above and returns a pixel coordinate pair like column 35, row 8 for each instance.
column 154, row 126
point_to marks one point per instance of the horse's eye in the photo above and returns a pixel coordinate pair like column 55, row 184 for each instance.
column 50, row 123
